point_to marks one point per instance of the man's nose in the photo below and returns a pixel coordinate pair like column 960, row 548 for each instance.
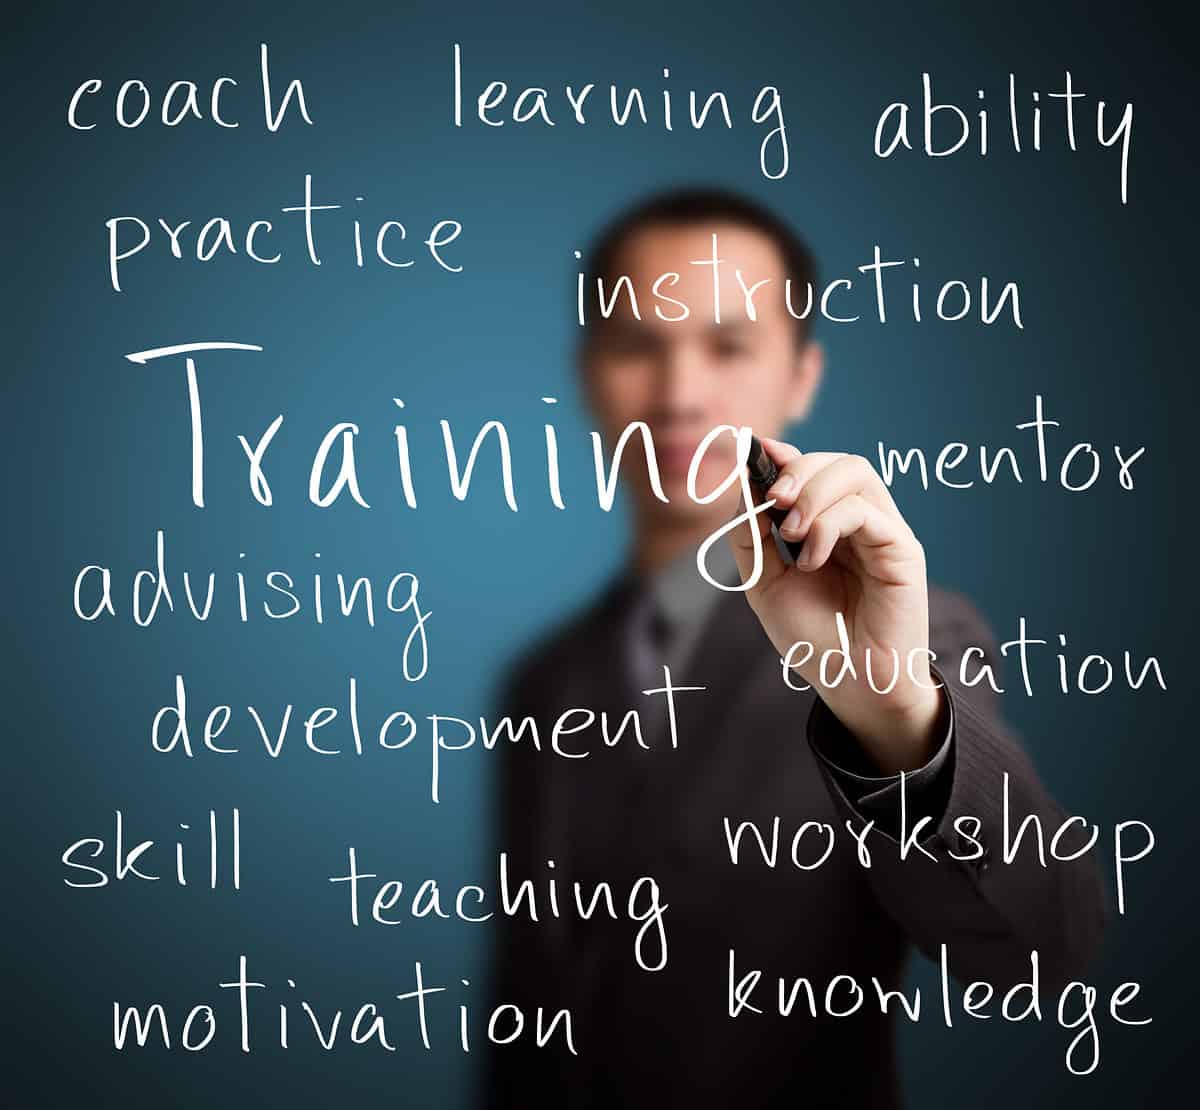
column 681, row 382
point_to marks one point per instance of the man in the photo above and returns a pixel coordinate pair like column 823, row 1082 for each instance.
column 751, row 746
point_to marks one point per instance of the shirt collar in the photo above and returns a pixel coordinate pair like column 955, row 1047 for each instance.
column 681, row 595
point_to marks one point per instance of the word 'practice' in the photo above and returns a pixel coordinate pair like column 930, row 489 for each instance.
column 382, row 242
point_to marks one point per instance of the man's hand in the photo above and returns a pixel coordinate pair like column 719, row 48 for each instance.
column 860, row 559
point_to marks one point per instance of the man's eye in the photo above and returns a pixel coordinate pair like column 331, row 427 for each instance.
column 731, row 348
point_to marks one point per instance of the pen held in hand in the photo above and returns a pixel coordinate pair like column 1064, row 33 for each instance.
column 763, row 475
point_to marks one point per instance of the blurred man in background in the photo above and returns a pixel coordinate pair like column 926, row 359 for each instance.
column 751, row 747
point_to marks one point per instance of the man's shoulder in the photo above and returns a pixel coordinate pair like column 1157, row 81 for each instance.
column 954, row 619
column 557, row 648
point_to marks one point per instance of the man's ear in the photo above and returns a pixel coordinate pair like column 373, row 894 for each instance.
column 810, row 364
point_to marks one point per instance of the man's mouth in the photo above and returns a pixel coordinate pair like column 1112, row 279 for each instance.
column 675, row 455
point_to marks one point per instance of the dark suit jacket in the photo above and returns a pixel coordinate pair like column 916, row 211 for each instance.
column 749, row 750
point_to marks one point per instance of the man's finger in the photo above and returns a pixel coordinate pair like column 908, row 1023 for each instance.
column 742, row 540
column 779, row 451
column 850, row 474
column 800, row 469
column 884, row 545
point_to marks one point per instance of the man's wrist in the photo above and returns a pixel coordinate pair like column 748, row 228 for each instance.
column 894, row 737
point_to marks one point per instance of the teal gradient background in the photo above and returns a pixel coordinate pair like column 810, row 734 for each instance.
column 97, row 460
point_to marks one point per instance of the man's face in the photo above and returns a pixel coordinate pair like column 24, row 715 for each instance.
column 683, row 378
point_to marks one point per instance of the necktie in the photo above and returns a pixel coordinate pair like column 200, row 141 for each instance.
column 648, row 642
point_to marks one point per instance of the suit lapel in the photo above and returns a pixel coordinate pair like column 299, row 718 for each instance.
column 731, row 647
column 588, row 802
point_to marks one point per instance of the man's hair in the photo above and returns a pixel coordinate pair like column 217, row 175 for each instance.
column 687, row 207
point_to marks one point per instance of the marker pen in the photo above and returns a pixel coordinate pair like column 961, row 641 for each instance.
column 763, row 475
